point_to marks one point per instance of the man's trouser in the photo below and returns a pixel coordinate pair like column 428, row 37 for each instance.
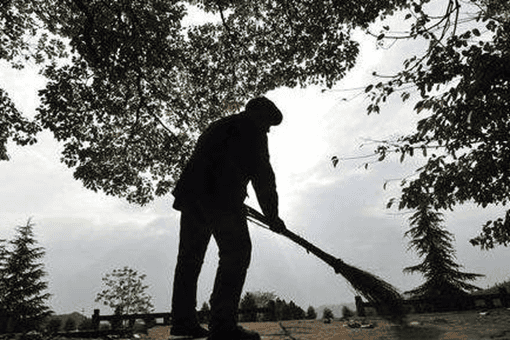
column 230, row 230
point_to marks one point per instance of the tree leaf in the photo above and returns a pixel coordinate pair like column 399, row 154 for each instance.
column 334, row 160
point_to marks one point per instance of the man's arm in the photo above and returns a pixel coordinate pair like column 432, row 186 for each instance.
column 264, row 184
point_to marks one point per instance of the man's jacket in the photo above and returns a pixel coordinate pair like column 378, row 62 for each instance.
column 229, row 154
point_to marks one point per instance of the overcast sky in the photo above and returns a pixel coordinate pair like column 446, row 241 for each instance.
column 341, row 210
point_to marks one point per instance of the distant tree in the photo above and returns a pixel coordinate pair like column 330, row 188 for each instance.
column 263, row 298
column 311, row 314
column 288, row 311
column 249, row 306
column 270, row 315
column 86, row 324
column 296, row 312
column 328, row 314
column 24, row 295
column 347, row 313
column 281, row 310
column 69, row 325
column 125, row 292
column 54, row 325
column 434, row 244
column 277, row 309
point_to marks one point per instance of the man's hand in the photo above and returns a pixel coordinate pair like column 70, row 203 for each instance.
column 278, row 225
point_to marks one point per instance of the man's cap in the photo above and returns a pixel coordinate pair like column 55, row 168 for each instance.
column 265, row 109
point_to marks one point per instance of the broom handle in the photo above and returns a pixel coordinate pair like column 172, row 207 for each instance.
column 329, row 259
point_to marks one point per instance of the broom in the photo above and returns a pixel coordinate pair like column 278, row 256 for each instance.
column 380, row 294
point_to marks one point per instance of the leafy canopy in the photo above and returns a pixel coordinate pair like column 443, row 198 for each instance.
column 125, row 292
column 462, row 82
column 130, row 87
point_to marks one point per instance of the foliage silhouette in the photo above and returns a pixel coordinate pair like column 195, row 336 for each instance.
column 311, row 314
column 327, row 314
column 24, row 296
column 53, row 326
column 278, row 309
column 249, row 306
column 124, row 291
column 443, row 279
column 69, row 325
column 462, row 83
column 347, row 313
column 130, row 88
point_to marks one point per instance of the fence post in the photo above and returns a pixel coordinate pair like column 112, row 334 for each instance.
column 360, row 309
column 149, row 321
column 95, row 319
column 167, row 319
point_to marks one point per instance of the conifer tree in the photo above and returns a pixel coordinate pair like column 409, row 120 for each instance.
column 328, row 314
column 24, row 294
column 434, row 244
column 311, row 314
column 296, row 312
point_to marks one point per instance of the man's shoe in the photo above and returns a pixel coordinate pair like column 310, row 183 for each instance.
column 196, row 331
column 237, row 333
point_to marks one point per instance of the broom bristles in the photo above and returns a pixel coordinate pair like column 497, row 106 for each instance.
column 380, row 294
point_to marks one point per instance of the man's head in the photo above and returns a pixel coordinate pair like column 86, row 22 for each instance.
column 264, row 111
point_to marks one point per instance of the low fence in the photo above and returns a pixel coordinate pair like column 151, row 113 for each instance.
column 467, row 302
column 116, row 321
column 151, row 319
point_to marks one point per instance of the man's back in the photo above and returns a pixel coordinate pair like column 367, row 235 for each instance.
column 231, row 152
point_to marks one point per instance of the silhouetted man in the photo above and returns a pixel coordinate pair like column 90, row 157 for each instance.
column 210, row 195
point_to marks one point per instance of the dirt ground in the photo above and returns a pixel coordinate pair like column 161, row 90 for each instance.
column 471, row 325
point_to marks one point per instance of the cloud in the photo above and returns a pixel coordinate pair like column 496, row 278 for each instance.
column 79, row 253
